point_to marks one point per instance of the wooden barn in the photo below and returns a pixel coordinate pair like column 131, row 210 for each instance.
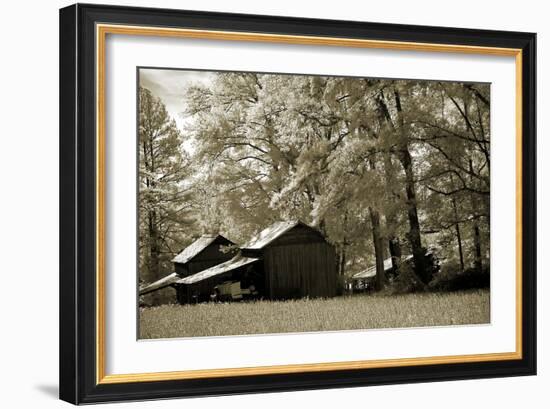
column 286, row 260
column 296, row 261
column 203, row 253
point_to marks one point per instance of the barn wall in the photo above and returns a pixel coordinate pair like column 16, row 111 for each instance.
column 182, row 269
column 300, row 269
column 211, row 256
column 213, row 252
column 204, row 288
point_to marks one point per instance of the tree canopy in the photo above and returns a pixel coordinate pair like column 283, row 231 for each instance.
column 382, row 167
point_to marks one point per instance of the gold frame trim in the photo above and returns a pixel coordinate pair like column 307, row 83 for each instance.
column 102, row 30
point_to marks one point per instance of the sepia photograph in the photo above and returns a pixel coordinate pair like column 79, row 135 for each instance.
column 288, row 203
column 255, row 202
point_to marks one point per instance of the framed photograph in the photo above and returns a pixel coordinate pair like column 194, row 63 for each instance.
column 257, row 203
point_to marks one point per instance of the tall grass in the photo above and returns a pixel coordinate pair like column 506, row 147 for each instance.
column 342, row 313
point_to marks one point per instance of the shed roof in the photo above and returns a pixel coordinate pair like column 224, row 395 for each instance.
column 234, row 263
column 371, row 271
column 271, row 233
column 196, row 247
column 157, row 285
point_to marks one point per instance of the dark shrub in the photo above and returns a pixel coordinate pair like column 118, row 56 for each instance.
column 454, row 280
column 407, row 281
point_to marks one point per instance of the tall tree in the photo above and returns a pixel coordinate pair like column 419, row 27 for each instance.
column 162, row 192
column 455, row 134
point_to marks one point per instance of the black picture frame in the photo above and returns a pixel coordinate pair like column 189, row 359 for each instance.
column 78, row 312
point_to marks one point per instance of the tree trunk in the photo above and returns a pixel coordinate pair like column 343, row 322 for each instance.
column 342, row 261
column 153, row 266
column 414, row 225
column 390, row 181
column 412, row 212
column 395, row 254
column 458, row 236
column 377, row 241
column 478, row 264
column 457, row 229
column 378, row 248
column 391, row 217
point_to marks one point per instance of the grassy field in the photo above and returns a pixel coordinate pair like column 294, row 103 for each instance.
column 343, row 313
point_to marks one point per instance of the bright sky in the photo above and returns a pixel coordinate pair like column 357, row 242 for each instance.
column 169, row 85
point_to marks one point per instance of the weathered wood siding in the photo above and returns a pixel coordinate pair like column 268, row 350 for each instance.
column 300, row 264
column 211, row 256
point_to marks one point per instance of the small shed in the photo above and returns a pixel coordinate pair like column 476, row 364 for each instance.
column 363, row 280
column 203, row 253
column 371, row 271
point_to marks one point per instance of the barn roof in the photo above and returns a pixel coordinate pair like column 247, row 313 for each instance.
column 371, row 271
column 234, row 263
column 157, row 285
column 196, row 247
column 271, row 233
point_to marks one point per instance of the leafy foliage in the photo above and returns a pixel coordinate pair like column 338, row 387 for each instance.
column 383, row 167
